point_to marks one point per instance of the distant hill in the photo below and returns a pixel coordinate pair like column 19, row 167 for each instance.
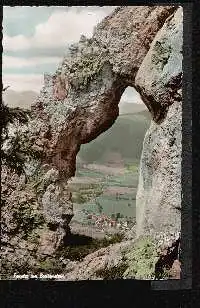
column 131, row 108
column 122, row 142
column 145, row 113
column 19, row 99
column 24, row 100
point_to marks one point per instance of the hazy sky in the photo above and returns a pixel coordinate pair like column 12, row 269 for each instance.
column 35, row 40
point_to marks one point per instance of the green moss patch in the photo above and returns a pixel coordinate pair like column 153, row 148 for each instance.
column 49, row 266
column 141, row 259
column 87, row 65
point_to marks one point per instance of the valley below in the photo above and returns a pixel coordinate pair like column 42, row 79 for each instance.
column 104, row 197
column 105, row 184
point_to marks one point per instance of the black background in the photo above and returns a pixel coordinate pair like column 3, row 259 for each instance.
column 129, row 293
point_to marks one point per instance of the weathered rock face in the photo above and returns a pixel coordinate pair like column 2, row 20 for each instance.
column 21, row 224
column 159, row 78
column 93, row 77
column 94, row 264
column 80, row 101
column 159, row 82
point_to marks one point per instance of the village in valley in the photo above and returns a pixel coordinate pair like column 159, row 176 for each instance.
column 103, row 222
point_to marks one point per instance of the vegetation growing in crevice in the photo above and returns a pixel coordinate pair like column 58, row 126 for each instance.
column 13, row 158
column 16, row 149
column 49, row 265
column 86, row 65
column 141, row 259
column 161, row 54
column 144, row 261
column 27, row 217
column 38, row 182
column 79, row 246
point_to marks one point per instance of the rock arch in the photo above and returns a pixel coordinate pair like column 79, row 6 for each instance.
column 134, row 46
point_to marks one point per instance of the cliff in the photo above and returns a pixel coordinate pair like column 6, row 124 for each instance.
column 159, row 80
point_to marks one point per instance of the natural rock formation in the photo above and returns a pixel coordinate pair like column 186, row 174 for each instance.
column 159, row 80
column 168, row 262
column 134, row 46
column 21, row 224
column 96, row 72
column 95, row 265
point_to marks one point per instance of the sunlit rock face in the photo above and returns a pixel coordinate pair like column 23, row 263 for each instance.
column 80, row 101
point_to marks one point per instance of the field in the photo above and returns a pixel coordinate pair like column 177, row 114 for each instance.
column 99, row 193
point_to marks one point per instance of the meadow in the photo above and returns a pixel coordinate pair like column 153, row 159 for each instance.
column 100, row 193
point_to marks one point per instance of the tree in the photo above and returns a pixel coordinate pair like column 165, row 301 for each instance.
column 113, row 216
column 118, row 216
column 15, row 159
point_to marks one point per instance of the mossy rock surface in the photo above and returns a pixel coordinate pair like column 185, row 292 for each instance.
column 141, row 259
